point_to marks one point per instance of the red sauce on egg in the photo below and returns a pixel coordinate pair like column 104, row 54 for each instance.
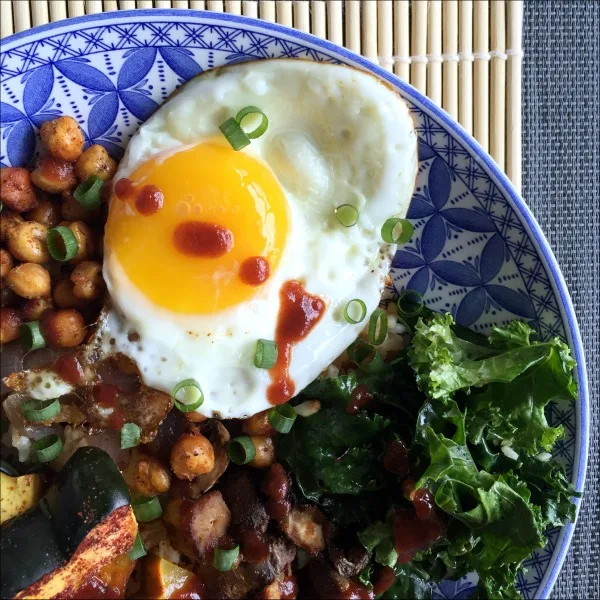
column 255, row 270
column 202, row 239
column 124, row 188
column 107, row 396
column 149, row 200
column 299, row 312
column 69, row 368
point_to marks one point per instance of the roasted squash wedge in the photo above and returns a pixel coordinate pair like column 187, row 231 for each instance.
column 164, row 579
column 18, row 494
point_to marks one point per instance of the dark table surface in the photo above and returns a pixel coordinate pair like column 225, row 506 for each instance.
column 561, row 184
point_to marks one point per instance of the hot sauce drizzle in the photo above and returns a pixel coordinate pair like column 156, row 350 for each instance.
column 149, row 200
column 69, row 368
column 107, row 396
column 255, row 270
column 201, row 239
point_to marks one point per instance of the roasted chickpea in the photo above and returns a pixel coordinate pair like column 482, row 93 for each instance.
column 29, row 280
column 27, row 242
column 192, row 455
column 86, row 243
column 62, row 328
column 33, row 309
column 62, row 138
column 47, row 212
column 150, row 477
column 10, row 324
column 195, row 417
column 258, row 424
column 71, row 210
column 16, row 191
column 265, row 451
column 53, row 175
column 64, row 297
column 8, row 221
column 95, row 161
column 6, row 262
column 87, row 280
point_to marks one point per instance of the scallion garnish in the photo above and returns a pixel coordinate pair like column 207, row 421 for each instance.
column 234, row 134
column 31, row 336
column 378, row 326
column 365, row 356
column 266, row 353
column 224, row 560
column 187, row 395
column 146, row 509
column 355, row 311
column 62, row 243
column 396, row 231
column 282, row 418
column 246, row 114
column 410, row 303
column 87, row 193
column 347, row 215
column 241, row 450
column 37, row 411
column 138, row 549
column 47, row 448
column 130, row 435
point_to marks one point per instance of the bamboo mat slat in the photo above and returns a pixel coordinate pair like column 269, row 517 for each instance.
column 465, row 55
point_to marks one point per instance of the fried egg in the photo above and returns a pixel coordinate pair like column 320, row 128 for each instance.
column 205, row 245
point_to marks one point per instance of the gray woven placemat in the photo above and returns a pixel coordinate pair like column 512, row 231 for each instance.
column 561, row 185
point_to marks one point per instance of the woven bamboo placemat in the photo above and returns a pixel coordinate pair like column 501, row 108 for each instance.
column 466, row 56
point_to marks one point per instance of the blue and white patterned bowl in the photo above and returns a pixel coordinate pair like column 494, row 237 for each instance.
column 477, row 250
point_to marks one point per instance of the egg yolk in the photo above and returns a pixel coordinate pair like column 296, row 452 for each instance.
column 185, row 227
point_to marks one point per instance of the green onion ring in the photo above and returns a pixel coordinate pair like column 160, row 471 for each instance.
column 266, row 354
column 130, row 435
column 248, row 111
column 413, row 297
column 193, row 399
column 354, row 305
column 378, row 326
column 241, row 450
column 224, row 560
column 62, row 243
column 234, row 134
column 31, row 336
column 47, row 448
column 138, row 549
column 387, row 231
column 146, row 508
column 347, row 215
column 38, row 411
column 88, row 192
column 282, row 418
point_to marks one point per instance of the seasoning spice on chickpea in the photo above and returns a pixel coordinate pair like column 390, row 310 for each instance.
column 47, row 212
column 192, row 455
column 16, row 190
column 265, row 451
column 150, row 477
column 10, row 324
column 29, row 280
column 95, row 160
column 27, row 242
column 62, row 328
column 6, row 262
column 62, row 138
column 86, row 244
column 64, row 297
column 258, row 424
column 71, row 210
column 33, row 309
column 53, row 175
column 8, row 221
column 87, row 280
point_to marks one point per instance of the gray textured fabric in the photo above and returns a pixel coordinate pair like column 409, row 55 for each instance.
column 561, row 185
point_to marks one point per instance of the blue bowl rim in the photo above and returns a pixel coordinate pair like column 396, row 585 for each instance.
column 500, row 179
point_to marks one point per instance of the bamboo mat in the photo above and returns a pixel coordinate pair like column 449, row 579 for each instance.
column 465, row 55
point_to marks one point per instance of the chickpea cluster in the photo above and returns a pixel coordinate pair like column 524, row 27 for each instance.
column 63, row 296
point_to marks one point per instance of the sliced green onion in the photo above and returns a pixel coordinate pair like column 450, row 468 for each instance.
column 187, row 395
column 266, row 354
column 241, row 450
column 347, row 215
column 146, row 509
column 249, row 111
column 130, row 435
column 378, row 326
column 87, row 193
column 31, row 336
column 365, row 356
column 355, row 311
column 224, row 560
column 47, row 448
column 36, row 411
column 234, row 134
column 282, row 418
column 62, row 243
column 138, row 549
column 410, row 303
column 397, row 231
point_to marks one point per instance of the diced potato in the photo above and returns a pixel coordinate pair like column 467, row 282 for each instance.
column 116, row 574
column 164, row 579
column 18, row 494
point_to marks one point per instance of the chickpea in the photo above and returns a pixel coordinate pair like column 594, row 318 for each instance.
column 150, row 477
column 53, row 175
column 6, row 262
column 8, row 221
column 16, row 191
column 71, row 210
column 95, row 161
column 192, row 455
column 47, row 212
column 64, row 297
column 86, row 245
column 62, row 138
column 87, row 280
column 258, row 424
column 33, row 309
column 27, row 242
column 265, row 451
column 62, row 328
column 10, row 325
column 195, row 417
column 29, row 280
